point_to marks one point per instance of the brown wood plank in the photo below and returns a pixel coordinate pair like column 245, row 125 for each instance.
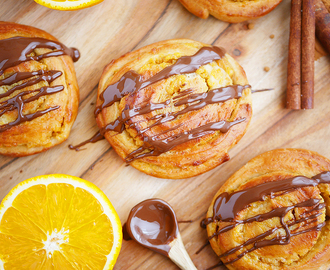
column 112, row 28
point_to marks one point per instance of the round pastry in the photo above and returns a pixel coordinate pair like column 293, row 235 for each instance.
column 38, row 90
column 272, row 213
column 233, row 11
column 173, row 109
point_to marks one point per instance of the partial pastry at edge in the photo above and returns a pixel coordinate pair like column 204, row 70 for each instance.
column 272, row 213
column 232, row 11
column 39, row 94
column 173, row 109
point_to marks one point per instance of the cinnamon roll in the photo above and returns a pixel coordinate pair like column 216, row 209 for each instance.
column 272, row 213
column 38, row 90
column 233, row 11
column 173, row 109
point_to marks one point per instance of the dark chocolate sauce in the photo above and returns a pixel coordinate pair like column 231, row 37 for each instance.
column 185, row 221
column 227, row 206
column 96, row 137
column 202, row 224
column 160, row 146
column 16, row 50
column 126, row 236
column 131, row 83
column 216, row 265
column 41, row 75
column 199, row 100
column 202, row 247
column 261, row 90
column 153, row 224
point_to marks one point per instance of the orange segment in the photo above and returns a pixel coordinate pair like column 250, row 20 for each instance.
column 33, row 203
column 60, row 262
column 68, row 4
column 34, row 261
column 83, row 259
column 100, row 230
column 58, row 222
column 15, row 247
column 15, row 223
column 59, row 198
column 82, row 210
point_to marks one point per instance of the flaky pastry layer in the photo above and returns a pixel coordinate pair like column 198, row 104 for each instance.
column 193, row 157
column 310, row 250
column 52, row 128
column 233, row 11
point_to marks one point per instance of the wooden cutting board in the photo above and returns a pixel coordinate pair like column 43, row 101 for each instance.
column 112, row 28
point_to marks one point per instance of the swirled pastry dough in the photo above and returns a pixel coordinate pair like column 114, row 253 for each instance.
column 233, row 11
column 166, row 110
column 280, row 201
column 39, row 94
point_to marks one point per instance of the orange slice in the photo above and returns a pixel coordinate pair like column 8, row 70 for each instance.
column 58, row 222
column 68, row 4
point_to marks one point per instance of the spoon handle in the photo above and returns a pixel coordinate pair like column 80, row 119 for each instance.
column 179, row 255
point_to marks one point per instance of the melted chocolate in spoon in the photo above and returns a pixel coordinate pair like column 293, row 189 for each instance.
column 153, row 224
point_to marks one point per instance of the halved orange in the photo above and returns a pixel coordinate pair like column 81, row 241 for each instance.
column 58, row 222
column 68, row 4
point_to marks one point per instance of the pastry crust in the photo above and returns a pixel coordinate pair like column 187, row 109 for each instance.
column 310, row 250
column 233, row 11
column 52, row 128
column 193, row 157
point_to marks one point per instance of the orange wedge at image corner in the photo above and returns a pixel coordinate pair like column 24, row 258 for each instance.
column 58, row 222
column 68, row 4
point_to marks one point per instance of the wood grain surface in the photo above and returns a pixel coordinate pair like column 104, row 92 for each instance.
column 112, row 28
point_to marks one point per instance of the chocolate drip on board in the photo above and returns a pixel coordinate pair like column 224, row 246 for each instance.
column 95, row 138
column 202, row 247
column 261, row 90
column 227, row 206
column 16, row 50
column 185, row 221
column 153, row 224
column 215, row 266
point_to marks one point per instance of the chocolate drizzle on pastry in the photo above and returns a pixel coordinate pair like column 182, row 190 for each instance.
column 227, row 206
column 160, row 146
column 153, row 224
column 131, row 82
column 16, row 50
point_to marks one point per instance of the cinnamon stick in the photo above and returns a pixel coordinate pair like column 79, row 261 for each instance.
column 294, row 60
column 322, row 23
column 307, row 54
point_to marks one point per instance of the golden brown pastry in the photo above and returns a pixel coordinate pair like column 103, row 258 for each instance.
column 233, row 11
column 38, row 90
column 173, row 109
column 271, row 214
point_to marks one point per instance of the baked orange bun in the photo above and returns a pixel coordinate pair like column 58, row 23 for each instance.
column 272, row 213
column 173, row 109
column 233, row 11
column 38, row 90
